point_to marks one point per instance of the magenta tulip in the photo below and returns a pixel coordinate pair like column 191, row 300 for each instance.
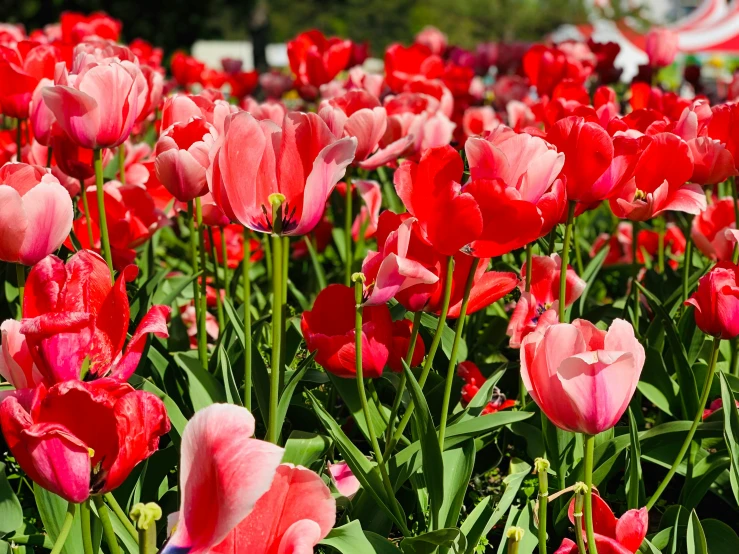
column 716, row 301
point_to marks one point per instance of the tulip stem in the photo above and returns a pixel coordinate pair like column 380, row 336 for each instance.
column 195, row 269
column 224, row 260
column 203, row 309
column 219, row 288
column 687, row 264
column 589, row 459
column 358, row 279
column 122, row 163
column 274, row 387
column 565, row 261
column 455, row 346
column 86, row 208
column 635, row 272
column 246, row 285
column 66, row 526
column 578, row 255
column 108, row 531
column 696, row 420
column 104, row 239
column 122, row 517
column 20, row 273
column 579, row 501
column 317, row 268
column 542, row 466
column 348, row 233
column 86, row 527
column 429, row 356
column 402, row 382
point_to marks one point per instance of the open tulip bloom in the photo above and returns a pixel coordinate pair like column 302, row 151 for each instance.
column 314, row 308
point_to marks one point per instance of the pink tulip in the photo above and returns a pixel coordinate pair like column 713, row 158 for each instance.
column 369, row 213
column 181, row 108
column 40, row 115
column 182, row 158
column 543, row 295
column 98, row 104
column 272, row 109
column 581, row 377
column 16, row 363
column 419, row 116
column 716, row 301
column 35, row 213
column 662, row 46
column 343, row 479
column 709, row 227
column 433, row 39
column 302, row 160
column 478, row 120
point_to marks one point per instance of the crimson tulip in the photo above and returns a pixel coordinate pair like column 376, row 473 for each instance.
column 315, row 59
column 716, row 301
column 76, row 27
column 402, row 329
column 76, row 438
column 709, row 228
column 405, row 64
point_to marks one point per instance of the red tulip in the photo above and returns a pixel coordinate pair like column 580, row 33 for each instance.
column 186, row 70
column 76, row 438
column 182, row 158
column 620, row 244
column 73, row 160
column 473, row 380
column 20, row 74
column 147, row 53
column 35, row 213
column 73, row 318
column 75, row 27
column 302, row 160
column 716, row 301
column 315, row 59
column 431, row 191
column 243, row 83
column 662, row 46
column 542, row 296
column 709, row 228
column 132, row 219
column 514, row 185
column 547, row 66
column 401, row 342
column 405, row 64
column 234, row 245
column 612, row 535
column 433, row 39
column 328, row 329
column 98, row 104
column 581, row 377
column 724, row 127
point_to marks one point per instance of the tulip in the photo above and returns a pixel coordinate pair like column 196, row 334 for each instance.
column 716, row 301
column 541, row 294
column 315, row 60
column 98, row 104
column 432, row 193
column 369, row 213
column 75, row 322
column 35, row 213
column 405, row 64
column 76, row 439
column 40, row 116
column 273, row 110
column 709, row 230
column 478, row 120
column 302, row 161
column 473, row 380
column 547, row 66
column 343, row 479
column 275, row 84
column 433, row 39
column 234, row 242
column 581, row 377
column 402, row 330
column 72, row 159
column 75, row 27
column 620, row 250
column 614, row 535
column 328, row 330
column 662, row 46
column 186, row 70
column 182, row 158
column 419, row 116
column 154, row 91
column 21, row 73
column 16, row 363
column 513, row 180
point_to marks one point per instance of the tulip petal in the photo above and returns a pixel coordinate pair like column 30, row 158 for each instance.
column 155, row 321
column 632, row 528
column 48, row 208
column 77, row 113
column 13, row 223
column 491, row 287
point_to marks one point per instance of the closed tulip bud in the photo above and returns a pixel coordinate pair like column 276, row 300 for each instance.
column 716, row 302
column 661, row 47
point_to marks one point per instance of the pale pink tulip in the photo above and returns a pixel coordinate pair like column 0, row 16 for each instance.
column 662, row 46
column 40, row 115
column 581, row 377
column 479, row 119
column 16, row 363
column 274, row 110
column 433, row 39
column 35, row 213
column 223, row 473
column 302, row 160
column 369, row 213
column 343, row 479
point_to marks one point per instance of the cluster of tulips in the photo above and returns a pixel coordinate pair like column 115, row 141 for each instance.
column 335, row 242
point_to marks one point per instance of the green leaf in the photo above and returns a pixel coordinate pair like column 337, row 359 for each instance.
column 634, row 483
column 656, row 384
column 447, row 336
column 349, row 539
column 720, row 538
column 287, row 393
column 589, row 275
column 696, row 537
column 203, row 388
column 11, row 513
column 126, row 541
column 482, row 397
column 232, row 390
column 731, row 432
column 52, row 510
column 458, row 465
column 432, row 461
column 347, row 390
column 705, row 473
column 176, row 286
column 430, row 542
column 364, row 470
column 302, row 449
column 380, row 544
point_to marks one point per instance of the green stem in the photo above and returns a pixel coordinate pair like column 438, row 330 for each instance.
column 274, row 388
column 88, row 221
column 552, row 240
column 203, row 310
column 661, row 245
column 283, row 300
column 246, row 285
column 86, row 527
column 696, row 420
column 195, row 270
column 635, row 273
column 358, row 289
column 348, row 233
column 108, row 531
column 589, row 460
column 579, row 501
column 455, row 346
column 429, row 356
column 104, row 239
column 317, row 268
column 529, row 260
column 219, row 288
column 687, row 264
column 20, row 273
column 224, row 261
column 122, row 163
column 122, row 517
column 542, row 466
column 66, row 527
column 565, row 261
column 401, row 384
